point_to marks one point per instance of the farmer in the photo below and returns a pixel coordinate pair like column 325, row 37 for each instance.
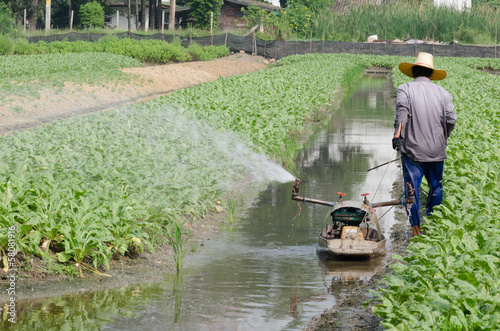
column 425, row 117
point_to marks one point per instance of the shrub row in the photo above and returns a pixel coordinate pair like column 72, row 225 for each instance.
column 152, row 51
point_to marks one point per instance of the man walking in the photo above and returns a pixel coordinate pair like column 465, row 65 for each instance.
column 425, row 117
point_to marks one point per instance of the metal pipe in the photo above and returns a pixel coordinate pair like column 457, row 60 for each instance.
column 392, row 203
column 316, row 201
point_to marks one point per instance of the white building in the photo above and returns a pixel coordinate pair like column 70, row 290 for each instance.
column 456, row 4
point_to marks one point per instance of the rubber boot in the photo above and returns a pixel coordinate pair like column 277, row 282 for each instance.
column 416, row 230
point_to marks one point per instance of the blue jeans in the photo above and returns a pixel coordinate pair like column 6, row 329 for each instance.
column 413, row 173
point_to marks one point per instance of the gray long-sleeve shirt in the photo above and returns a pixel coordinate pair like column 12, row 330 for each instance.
column 427, row 115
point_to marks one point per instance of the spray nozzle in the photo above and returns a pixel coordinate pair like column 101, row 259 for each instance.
column 295, row 187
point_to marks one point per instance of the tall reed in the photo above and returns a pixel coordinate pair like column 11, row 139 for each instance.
column 409, row 19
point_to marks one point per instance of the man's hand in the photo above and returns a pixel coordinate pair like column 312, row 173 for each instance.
column 396, row 143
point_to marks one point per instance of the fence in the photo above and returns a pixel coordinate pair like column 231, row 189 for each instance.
column 279, row 49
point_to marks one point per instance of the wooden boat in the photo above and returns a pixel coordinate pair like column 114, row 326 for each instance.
column 355, row 230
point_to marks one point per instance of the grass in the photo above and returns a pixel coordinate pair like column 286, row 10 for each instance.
column 179, row 242
column 234, row 207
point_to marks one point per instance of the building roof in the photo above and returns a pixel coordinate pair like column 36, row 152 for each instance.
column 166, row 4
column 249, row 3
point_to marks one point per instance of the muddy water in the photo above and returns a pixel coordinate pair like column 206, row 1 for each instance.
column 264, row 274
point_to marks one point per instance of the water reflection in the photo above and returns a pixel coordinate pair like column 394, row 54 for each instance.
column 265, row 274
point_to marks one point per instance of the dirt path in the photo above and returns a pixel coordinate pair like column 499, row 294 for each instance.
column 22, row 113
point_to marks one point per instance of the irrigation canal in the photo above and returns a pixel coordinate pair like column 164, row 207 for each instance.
column 264, row 275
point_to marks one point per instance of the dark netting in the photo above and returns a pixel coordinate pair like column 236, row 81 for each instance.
column 156, row 36
column 240, row 43
column 278, row 49
column 74, row 36
column 95, row 37
column 219, row 40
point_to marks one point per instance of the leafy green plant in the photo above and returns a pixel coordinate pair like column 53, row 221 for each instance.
column 450, row 279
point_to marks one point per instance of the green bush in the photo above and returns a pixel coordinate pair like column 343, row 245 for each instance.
column 151, row 51
column 6, row 45
column 207, row 53
column 92, row 14
column 201, row 10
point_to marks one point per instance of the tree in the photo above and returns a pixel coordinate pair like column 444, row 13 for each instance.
column 92, row 15
column 129, row 19
column 201, row 10
column 6, row 19
column 35, row 10
column 143, row 15
column 136, row 14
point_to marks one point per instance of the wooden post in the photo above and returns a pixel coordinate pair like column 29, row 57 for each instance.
column 275, row 47
column 296, row 41
column 255, row 43
column 137, row 15
column 117, row 19
column 212, row 28
column 24, row 22
column 454, row 47
column 323, row 43
column 163, row 23
column 171, row 20
column 47, row 18
column 225, row 40
column 71, row 22
column 385, row 40
column 254, row 50
column 474, row 46
column 129, row 22
column 353, row 35
column 496, row 40
column 311, row 43
column 415, row 38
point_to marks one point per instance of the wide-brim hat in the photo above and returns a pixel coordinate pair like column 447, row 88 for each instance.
column 424, row 60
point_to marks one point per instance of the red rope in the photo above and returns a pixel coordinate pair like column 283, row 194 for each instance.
column 300, row 208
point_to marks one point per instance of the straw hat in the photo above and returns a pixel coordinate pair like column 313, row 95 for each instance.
column 423, row 60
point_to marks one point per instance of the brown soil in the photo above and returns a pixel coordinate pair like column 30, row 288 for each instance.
column 20, row 113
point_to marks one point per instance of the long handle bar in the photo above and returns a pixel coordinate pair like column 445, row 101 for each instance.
column 295, row 196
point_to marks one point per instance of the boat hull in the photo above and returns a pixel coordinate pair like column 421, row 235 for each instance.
column 350, row 248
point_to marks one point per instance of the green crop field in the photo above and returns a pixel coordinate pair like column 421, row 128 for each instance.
column 89, row 188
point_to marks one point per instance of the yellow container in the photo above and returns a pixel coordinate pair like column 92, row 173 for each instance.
column 352, row 232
